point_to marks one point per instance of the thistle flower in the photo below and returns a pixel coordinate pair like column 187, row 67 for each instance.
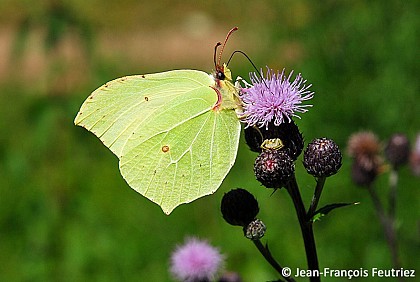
column 274, row 98
column 195, row 260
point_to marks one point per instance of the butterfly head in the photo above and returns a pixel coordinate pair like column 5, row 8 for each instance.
column 222, row 73
column 227, row 93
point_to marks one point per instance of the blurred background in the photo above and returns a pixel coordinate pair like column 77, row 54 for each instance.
column 66, row 214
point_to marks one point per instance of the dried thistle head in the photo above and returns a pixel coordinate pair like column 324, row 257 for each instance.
column 363, row 143
column 365, row 148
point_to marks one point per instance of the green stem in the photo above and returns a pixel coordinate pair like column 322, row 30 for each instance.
column 388, row 226
column 268, row 257
column 393, row 183
column 317, row 195
column 305, row 227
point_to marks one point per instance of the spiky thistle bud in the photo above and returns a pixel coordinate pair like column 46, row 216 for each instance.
column 322, row 157
column 255, row 230
column 274, row 168
column 239, row 207
column 397, row 150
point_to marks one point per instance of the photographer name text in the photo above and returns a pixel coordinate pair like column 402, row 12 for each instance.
column 350, row 273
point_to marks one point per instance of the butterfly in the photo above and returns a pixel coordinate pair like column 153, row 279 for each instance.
column 175, row 133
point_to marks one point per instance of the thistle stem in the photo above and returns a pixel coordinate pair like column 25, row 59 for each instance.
column 388, row 227
column 269, row 258
column 393, row 183
column 320, row 181
column 306, row 228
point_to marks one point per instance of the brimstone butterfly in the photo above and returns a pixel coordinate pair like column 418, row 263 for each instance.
column 176, row 133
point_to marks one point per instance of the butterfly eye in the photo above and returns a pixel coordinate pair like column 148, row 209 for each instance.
column 220, row 75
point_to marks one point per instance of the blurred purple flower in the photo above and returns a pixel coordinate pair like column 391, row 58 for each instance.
column 415, row 157
column 195, row 260
column 274, row 98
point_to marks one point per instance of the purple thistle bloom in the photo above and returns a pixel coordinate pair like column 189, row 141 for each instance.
column 274, row 98
column 195, row 260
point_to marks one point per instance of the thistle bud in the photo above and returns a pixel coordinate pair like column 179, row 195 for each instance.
column 322, row 157
column 239, row 207
column 292, row 139
column 397, row 151
column 255, row 230
column 253, row 138
column 274, row 168
column 362, row 175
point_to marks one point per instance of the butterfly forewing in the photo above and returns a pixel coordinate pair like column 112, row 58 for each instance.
column 120, row 107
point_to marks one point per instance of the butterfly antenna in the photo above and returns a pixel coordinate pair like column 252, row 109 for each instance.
column 215, row 52
column 224, row 44
column 246, row 56
column 252, row 63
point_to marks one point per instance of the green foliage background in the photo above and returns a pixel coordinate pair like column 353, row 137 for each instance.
column 66, row 214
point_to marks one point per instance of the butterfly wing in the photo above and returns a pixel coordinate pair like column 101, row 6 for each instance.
column 173, row 147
